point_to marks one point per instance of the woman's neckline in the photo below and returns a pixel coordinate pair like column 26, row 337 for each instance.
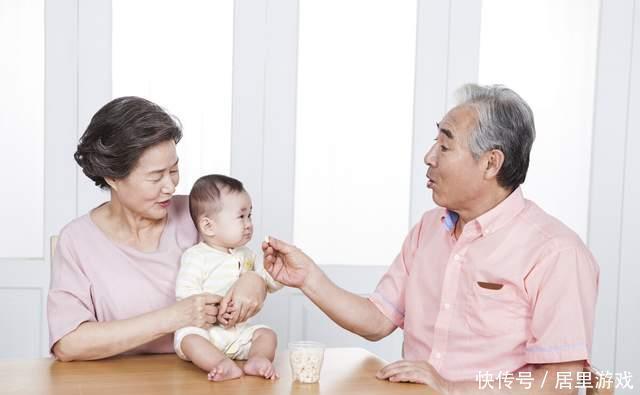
column 124, row 246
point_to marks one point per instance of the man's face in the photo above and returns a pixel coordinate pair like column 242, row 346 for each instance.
column 454, row 176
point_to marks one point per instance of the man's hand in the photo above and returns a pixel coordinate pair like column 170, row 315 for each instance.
column 286, row 263
column 413, row 372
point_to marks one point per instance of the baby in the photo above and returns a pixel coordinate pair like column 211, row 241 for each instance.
column 221, row 210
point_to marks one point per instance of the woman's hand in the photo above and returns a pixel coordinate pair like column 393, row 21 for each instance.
column 286, row 263
column 246, row 297
column 197, row 310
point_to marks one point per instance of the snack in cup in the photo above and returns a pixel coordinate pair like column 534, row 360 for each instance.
column 306, row 360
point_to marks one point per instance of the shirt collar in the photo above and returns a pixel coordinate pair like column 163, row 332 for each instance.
column 493, row 219
column 449, row 220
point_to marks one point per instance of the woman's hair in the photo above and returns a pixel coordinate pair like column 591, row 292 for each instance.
column 119, row 133
column 205, row 194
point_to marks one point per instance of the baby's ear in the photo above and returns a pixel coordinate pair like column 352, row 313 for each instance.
column 207, row 226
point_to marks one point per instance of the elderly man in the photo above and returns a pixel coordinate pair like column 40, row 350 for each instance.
column 487, row 284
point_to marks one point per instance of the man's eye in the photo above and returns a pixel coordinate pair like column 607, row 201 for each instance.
column 174, row 171
column 443, row 148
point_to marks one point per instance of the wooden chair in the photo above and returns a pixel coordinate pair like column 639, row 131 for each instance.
column 53, row 242
column 595, row 377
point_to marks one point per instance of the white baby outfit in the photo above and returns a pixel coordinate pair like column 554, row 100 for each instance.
column 206, row 269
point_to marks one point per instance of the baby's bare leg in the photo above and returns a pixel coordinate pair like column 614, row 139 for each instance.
column 261, row 354
column 208, row 358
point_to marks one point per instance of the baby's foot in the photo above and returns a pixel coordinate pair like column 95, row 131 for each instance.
column 260, row 366
column 225, row 370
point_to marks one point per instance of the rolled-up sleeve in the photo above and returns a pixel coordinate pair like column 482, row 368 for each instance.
column 69, row 302
column 389, row 295
column 562, row 288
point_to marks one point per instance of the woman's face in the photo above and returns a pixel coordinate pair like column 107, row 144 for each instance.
column 148, row 189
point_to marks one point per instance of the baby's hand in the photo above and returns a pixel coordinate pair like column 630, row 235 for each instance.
column 225, row 316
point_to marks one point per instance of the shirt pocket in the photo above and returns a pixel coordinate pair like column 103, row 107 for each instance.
column 493, row 312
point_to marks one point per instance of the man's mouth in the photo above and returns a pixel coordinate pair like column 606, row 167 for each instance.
column 430, row 182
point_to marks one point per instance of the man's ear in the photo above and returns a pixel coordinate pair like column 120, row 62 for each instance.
column 112, row 182
column 207, row 226
column 494, row 161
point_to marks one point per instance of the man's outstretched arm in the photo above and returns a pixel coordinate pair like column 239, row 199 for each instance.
column 290, row 266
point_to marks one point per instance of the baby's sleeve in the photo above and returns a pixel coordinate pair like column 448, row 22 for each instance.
column 191, row 275
column 272, row 285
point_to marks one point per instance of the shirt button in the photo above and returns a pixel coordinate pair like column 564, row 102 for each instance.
column 447, row 306
column 457, row 257
column 438, row 355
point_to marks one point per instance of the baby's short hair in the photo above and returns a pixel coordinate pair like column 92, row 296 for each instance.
column 205, row 194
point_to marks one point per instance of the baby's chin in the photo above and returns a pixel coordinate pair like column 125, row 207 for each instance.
column 242, row 242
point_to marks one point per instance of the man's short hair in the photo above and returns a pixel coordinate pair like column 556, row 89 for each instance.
column 505, row 122
column 205, row 195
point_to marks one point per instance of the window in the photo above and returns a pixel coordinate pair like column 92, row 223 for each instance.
column 179, row 54
column 354, row 129
column 546, row 51
column 22, row 125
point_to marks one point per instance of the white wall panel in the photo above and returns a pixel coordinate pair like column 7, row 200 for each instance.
column 20, row 309
column 628, row 328
column 610, row 131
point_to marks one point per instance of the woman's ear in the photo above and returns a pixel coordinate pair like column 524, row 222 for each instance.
column 112, row 182
column 494, row 160
column 207, row 226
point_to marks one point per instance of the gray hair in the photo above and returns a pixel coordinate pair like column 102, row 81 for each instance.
column 505, row 122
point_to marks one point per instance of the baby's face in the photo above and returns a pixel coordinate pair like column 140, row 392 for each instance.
column 233, row 222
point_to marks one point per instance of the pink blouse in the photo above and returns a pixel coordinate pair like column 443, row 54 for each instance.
column 96, row 279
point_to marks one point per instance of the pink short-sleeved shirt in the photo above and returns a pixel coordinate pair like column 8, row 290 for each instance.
column 543, row 311
column 96, row 279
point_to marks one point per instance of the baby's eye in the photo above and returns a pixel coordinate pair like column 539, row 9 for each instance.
column 249, row 216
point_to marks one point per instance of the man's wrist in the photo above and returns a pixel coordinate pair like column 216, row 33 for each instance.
column 312, row 280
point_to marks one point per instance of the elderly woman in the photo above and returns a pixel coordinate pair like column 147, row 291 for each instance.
column 113, row 275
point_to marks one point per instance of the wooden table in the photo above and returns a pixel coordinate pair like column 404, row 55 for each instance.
column 345, row 371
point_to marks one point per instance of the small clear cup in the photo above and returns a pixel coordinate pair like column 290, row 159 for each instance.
column 306, row 360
